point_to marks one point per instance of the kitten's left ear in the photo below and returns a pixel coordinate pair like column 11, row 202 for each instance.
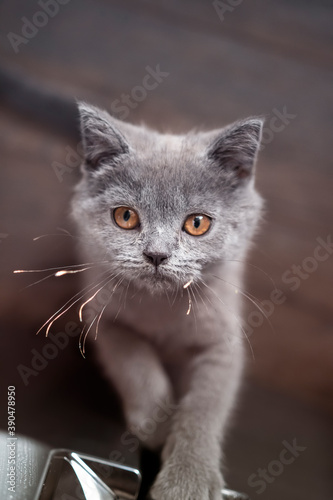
column 102, row 141
column 235, row 149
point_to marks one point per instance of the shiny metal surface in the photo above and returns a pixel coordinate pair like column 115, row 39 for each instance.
column 233, row 495
column 69, row 474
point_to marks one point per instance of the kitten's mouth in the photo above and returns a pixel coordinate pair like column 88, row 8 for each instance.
column 156, row 275
column 158, row 279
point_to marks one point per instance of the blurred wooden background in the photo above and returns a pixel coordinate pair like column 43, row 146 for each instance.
column 264, row 58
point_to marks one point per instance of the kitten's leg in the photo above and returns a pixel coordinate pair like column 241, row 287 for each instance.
column 192, row 454
column 141, row 381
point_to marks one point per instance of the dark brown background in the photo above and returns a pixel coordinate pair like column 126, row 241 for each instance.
column 264, row 56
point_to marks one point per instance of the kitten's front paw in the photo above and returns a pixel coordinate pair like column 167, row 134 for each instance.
column 185, row 481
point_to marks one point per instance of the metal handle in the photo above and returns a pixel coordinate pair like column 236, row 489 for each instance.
column 233, row 495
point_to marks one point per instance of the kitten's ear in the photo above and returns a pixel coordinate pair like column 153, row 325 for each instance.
column 102, row 141
column 235, row 149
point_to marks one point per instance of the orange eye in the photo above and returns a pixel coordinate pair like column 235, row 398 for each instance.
column 126, row 218
column 197, row 224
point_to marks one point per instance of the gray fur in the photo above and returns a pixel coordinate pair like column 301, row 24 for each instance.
column 154, row 351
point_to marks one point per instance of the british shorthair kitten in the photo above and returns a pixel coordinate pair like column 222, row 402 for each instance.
column 169, row 218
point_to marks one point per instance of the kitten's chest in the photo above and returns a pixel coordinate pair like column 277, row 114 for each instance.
column 152, row 317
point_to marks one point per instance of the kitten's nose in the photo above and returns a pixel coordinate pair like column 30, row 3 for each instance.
column 156, row 258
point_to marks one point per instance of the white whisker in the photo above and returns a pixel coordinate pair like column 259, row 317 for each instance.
column 189, row 306
column 59, row 268
column 83, row 350
column 248, row 296
column 188, row 283
column 88, row 300
column 191, row 291
column 197, row 288
column 63, row 272
column 231, row 312
column 175, row 295
column 38, row 281
column 254, row 267
column 80, row 339
column 80, row 312
column 100, row 315
column 102, row 310
column 120, row 297
column 81, row 294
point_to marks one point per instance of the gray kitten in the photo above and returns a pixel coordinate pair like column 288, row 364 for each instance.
column 170, row 218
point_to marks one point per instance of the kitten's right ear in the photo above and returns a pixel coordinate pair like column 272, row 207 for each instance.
column 102, row 141
column 235, row 149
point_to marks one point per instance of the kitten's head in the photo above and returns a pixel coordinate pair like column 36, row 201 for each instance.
column 163, row 208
